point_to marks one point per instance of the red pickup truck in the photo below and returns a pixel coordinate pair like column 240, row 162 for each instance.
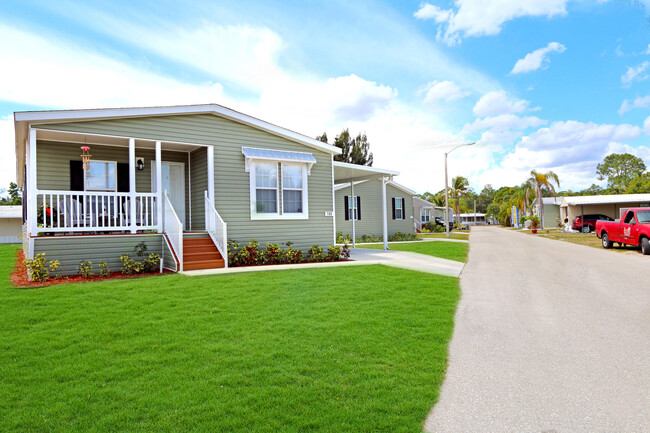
column 634, row 229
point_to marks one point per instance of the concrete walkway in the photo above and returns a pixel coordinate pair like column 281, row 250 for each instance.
column 358, row 256
column 549, row 337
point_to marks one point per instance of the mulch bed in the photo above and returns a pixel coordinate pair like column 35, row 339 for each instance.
column 19, row 276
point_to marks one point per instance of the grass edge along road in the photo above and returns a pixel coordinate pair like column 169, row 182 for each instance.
column 456, row 251
column 347, row 349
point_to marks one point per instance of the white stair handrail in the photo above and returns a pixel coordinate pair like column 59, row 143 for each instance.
column 173, row 227
column 216, row 228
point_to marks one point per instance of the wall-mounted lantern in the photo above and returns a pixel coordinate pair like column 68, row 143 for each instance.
column 139, row 163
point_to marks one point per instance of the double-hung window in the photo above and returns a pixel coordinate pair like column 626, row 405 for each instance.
column 353, row 210
column 266, row 188
column 425, row 215
column 278, row 183
column 101, row 176
column 399, row 209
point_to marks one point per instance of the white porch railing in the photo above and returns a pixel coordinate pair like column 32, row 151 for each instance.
column 173, row 227
column 216, row 228
column 84, row 211
column 417, row 225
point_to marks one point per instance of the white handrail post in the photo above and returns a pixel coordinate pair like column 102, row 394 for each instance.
column 211, row 173
column 206, row 210
column 32, row 193
column 132, row 208
column 385, row 216
column 159, row 196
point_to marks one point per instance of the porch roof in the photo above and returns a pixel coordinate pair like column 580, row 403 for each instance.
column 24, row 119
column 344, row 172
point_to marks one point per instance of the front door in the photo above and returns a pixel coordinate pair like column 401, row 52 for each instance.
column 173, row 181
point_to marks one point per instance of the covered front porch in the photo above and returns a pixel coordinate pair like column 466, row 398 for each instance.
column 128, row 185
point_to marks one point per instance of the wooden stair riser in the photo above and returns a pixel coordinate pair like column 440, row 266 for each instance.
column 205, row 264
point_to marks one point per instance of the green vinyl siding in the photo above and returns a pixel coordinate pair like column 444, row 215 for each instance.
column 199, row 163
column 232, row 189
column 53, row 164
column 371, row 222
column 71, row 250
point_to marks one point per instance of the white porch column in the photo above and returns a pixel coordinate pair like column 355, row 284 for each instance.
column 32, row 187
column 383, row 201
column 159, row 191
column 211, row 174
column 132, row 216
column 353, row 216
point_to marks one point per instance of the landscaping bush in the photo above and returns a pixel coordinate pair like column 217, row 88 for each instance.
column 333, row 254
column 129, row 265
column 85, row 269
column 315, row 254
column 104, row 270
column 151, row 263
column 39, row 268
column 273, row 254
column 399, row 236
column 292, row 255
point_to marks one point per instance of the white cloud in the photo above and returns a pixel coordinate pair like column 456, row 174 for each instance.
column 639, row 102
column 646, row 126
column 647, row 50
column 447, row 91
column 504, row 122
column 537, row 59
column 472, row 18
column 8, row 160
column 497, row 102
column 635, row 73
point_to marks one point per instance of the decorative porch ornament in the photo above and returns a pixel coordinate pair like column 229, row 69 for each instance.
column 85, row 156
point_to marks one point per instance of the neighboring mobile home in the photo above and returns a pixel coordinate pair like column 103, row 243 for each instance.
column 551, row 211
column 424, row 212
column 11, row 222
column 183, row 179
column 610, row 205
column 359, row 209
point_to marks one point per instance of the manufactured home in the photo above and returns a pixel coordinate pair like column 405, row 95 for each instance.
column 374, row 206
column 182, row 179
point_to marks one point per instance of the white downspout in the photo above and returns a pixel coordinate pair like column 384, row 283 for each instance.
column 353, row 217
column 32, row 192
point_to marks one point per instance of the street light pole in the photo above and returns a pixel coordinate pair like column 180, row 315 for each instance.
column 447, row 186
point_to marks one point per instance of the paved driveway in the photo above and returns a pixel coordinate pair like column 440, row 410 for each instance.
column 549, row 337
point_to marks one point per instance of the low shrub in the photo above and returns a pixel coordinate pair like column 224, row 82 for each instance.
column 129, row 265
column 151, row 263
column 85, row 269
column 273, row 254
column 399, row 236
column 104, row 270
column 39, row 268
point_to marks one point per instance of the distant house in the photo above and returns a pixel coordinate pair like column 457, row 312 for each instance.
column 11, row 224
column 472, row 219
column 551, row 210
column 424, row 211
column 610, row 205
column 359, row 202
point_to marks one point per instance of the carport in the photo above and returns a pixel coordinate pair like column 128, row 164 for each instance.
column 610, row 205
column 350, row 173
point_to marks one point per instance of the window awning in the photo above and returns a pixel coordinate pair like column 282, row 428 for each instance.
column 252, row 153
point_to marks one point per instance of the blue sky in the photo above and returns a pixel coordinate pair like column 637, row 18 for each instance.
column 539, row 84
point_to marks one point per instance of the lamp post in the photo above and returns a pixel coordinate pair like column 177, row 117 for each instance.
column 447, row 186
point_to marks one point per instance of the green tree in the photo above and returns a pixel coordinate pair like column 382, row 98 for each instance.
column 542, row 182
column 639, row 185
column 15, row 196
column 459, row 188
column 619, row 169
column 354, row 150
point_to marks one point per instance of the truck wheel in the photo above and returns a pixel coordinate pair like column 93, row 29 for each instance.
column 645, row 246
column 607, row 244
column 586, row 229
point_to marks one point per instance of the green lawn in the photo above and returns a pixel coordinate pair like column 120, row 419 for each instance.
column 350, row 349
column 463, row 236
column 446, row 250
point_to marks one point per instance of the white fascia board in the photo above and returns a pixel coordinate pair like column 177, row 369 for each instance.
column 97, row 114
column 402, row 187
column 370, row 170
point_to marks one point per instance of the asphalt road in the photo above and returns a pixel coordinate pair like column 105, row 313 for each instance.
column 550, row 337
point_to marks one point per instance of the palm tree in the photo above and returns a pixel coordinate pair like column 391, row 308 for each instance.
column 541, row 182
column 459, row 188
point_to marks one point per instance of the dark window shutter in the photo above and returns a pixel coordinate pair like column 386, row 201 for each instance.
column 123, row 183
column 76, row 175
column 359, row 208
column 403, row 208
column 393, row 207
column 346, row 207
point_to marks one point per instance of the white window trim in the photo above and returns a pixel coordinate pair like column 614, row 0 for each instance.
column 102, row 189
column 305, row 207
column 279, row 215
column 400, row 208
column 425, row 212
column 352, row 208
